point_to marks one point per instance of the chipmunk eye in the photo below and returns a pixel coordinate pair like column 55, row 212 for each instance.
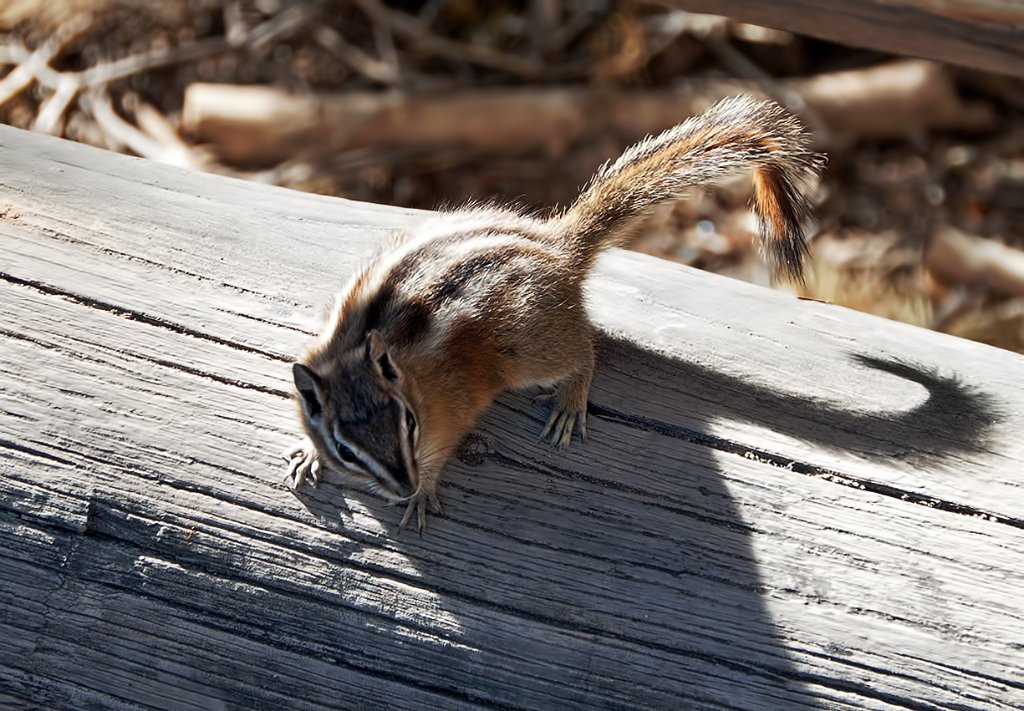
column 410, row 421
column 345, row 454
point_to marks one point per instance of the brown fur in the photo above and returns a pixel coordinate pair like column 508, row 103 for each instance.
column 733, row 135
column 482, row 299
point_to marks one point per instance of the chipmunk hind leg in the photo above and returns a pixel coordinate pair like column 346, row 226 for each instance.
column 569, row 410
column 559, row 353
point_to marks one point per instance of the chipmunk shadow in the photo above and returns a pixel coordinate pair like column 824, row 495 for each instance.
column 626, row 571
column 924, row 416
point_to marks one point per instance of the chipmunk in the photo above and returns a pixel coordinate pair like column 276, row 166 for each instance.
column 482, row 299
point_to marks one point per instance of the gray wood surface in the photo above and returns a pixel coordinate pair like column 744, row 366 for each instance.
column 783, row 503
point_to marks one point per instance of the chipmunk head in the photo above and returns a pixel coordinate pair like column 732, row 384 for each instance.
column 360, row 416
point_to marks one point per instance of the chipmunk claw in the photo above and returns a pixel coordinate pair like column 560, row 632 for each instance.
column 418, row 504
column 303, row 463
column 561, row 423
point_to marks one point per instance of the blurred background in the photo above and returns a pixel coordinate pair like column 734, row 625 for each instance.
column 426, row 104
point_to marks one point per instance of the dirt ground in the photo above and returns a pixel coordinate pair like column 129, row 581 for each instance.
column 920, row 213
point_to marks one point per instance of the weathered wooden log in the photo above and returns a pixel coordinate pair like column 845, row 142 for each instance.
column 984, row 34
column 782, row 504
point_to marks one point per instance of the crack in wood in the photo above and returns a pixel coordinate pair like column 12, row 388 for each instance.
column 112, row 535
column 723, row 445
column 1006, row 681
column 140, row 317
column 109, row 524
column 24, row 449
column 611, row 560
column 269, row 322
column 68, row 239
column 522, row 464
column 234, row 382
column 226, row 619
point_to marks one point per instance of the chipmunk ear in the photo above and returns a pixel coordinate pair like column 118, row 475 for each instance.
column 380, row 361
column 310, row 389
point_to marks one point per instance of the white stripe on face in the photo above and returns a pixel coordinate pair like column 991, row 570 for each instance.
column 409, row 446
column 366, row 462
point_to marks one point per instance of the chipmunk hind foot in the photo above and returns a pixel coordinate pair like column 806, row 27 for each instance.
column 569, row 410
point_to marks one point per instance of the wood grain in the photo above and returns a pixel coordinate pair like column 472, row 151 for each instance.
column 983, row 34
column 783, row 504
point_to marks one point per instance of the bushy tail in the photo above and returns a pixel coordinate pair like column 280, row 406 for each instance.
column 736, row 134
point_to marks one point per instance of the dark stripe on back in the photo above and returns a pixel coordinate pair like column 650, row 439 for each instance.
column 451, row 284
column 435, row 251
column 411, row 319
column 378, row 307
column 407, row 316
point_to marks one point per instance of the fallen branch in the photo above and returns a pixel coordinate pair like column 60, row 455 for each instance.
column 355, row 58
column 985, row 34
column 258, row 125
column 895, row 100
column 955, row 257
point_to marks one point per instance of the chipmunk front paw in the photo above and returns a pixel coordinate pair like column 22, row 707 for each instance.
column 303, row 463
column 418, row 503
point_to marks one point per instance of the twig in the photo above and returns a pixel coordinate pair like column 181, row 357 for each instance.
column 386, row 50
column 19, row 78
column 663, row 30
column 430, row 10
column 102, row 74
column 48, row 120
column 162, row 145
column 281, row 25
column 411, row 29
column 156, row 126
column 173, row 150
column 42, row 73
column 153, row 59
column 117, row 131
column 235, row 29
column 34, row 65
column 582, row 16
column 355, row 58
